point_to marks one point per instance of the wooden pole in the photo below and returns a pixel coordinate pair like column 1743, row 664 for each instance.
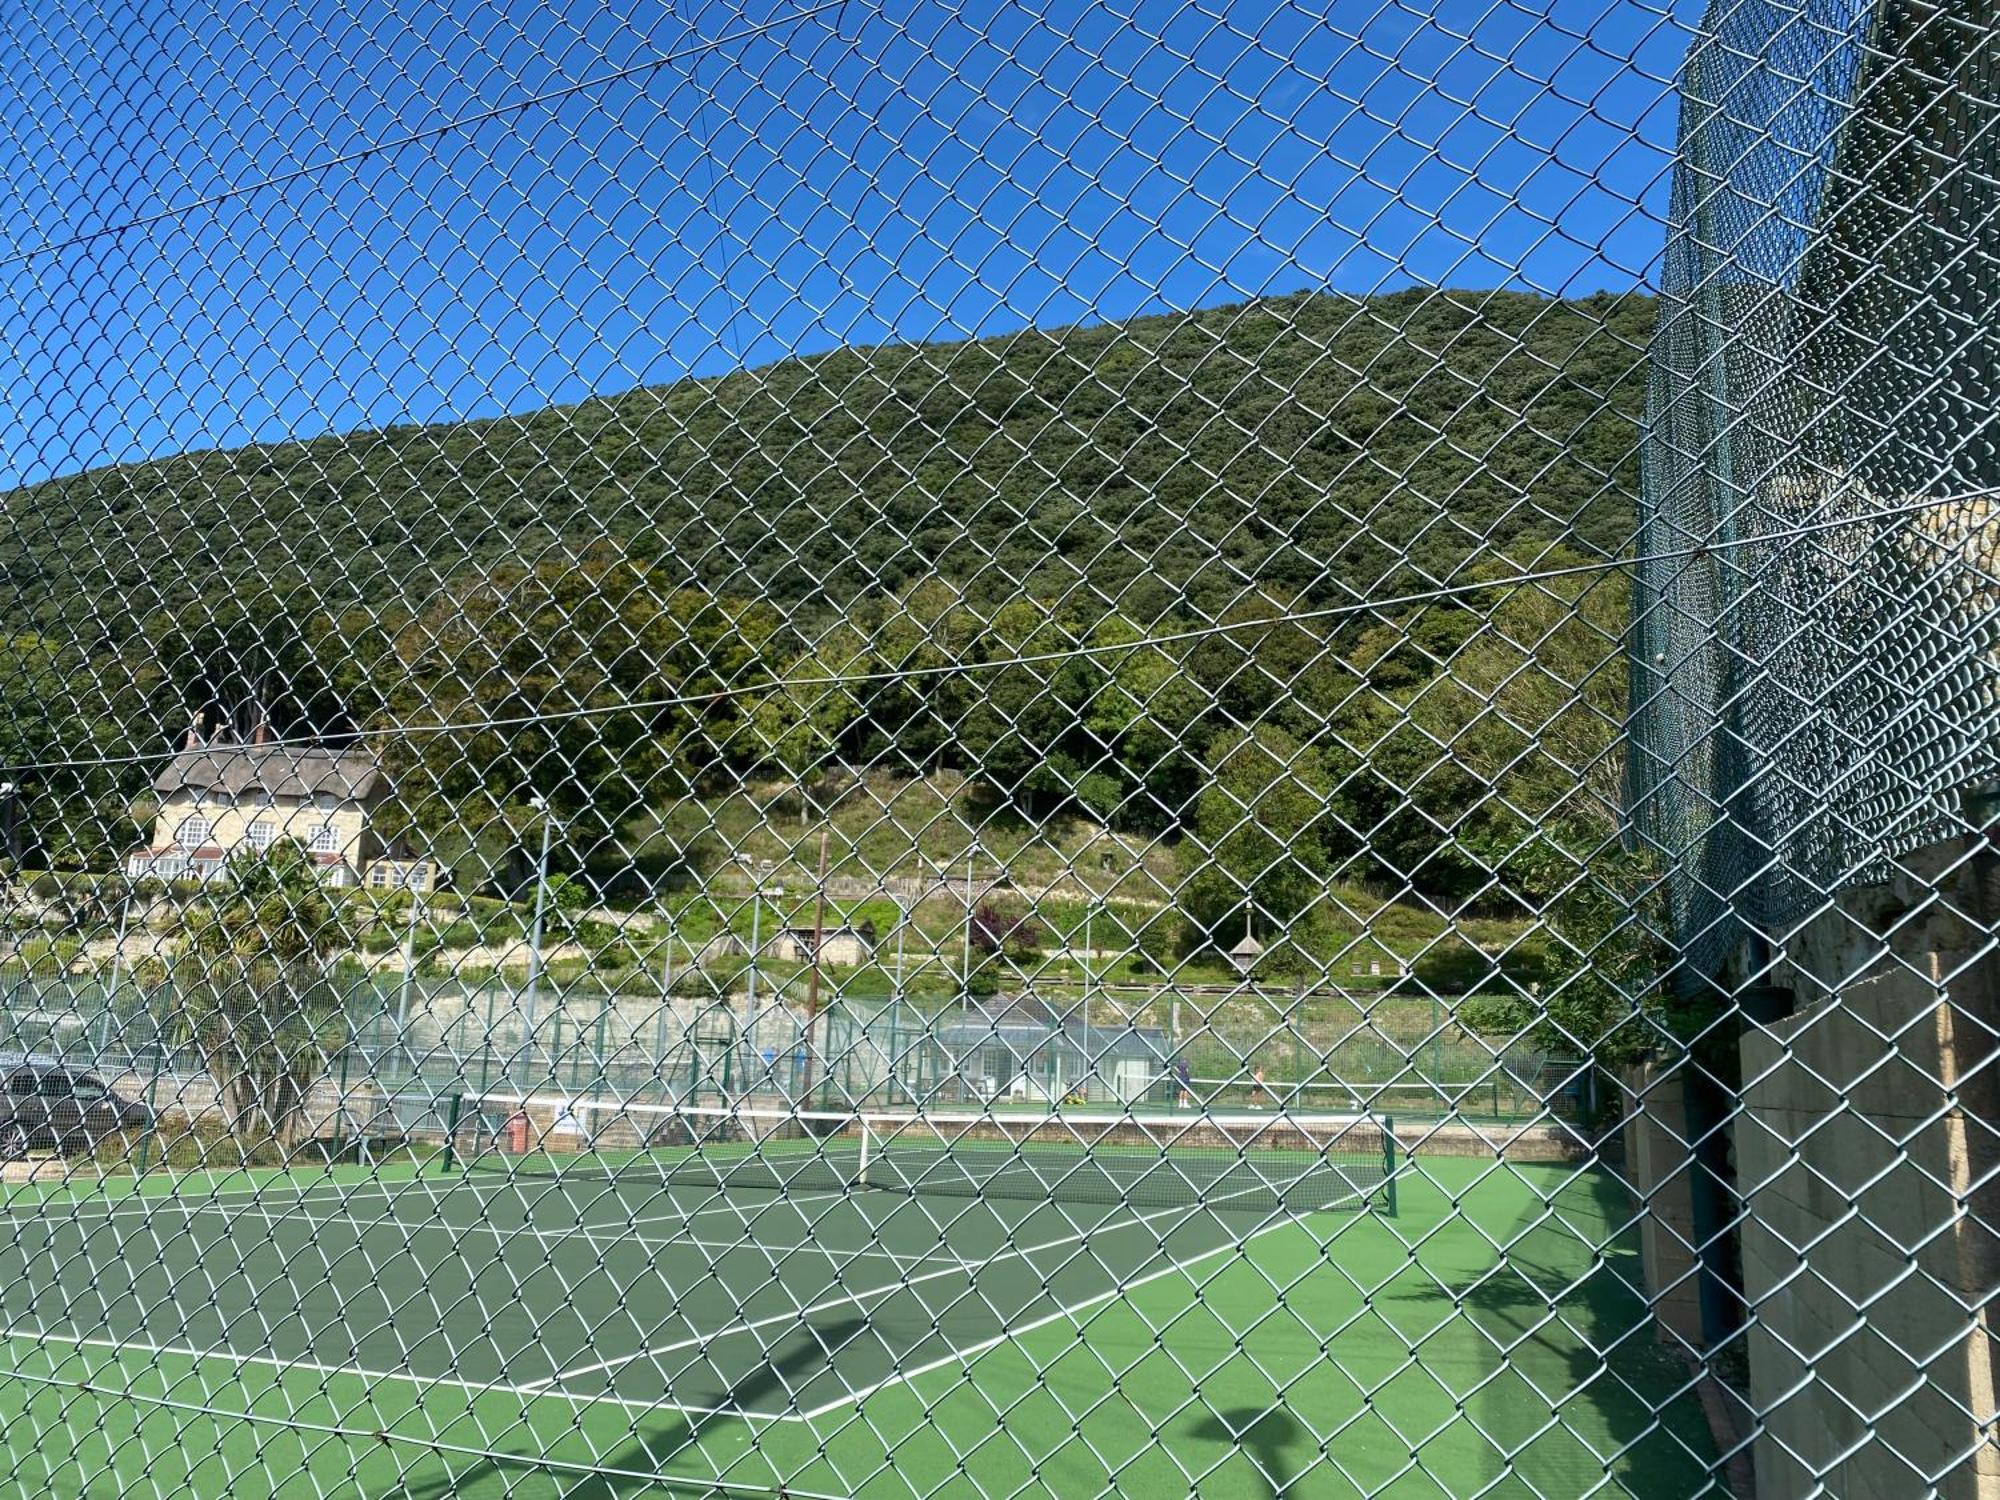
column 812, row 978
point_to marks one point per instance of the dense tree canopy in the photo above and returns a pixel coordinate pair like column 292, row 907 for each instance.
column 1323, row 445
column 1148, row 571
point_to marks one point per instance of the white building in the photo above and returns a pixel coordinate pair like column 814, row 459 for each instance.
column 214, row 799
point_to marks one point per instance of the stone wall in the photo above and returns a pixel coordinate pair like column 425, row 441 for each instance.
column 1869, row 1170
column 1657, row 1163
column 332, row 1109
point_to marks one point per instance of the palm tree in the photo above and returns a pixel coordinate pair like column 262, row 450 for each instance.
column 253, row 990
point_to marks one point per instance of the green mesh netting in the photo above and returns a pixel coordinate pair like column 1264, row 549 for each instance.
column 1813, row 683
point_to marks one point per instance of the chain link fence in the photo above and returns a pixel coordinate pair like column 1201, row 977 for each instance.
column 903, row 751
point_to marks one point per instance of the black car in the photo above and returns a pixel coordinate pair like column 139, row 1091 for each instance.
column 46, row 1104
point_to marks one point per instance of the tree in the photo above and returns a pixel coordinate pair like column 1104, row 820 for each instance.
column 1598, row 981
column 1149, row 712
column 1258, row 841
column 572, row 678
column 1019, row 733
column 1316, row 441
column 1269, row 667
column 253, row 993
column 564, row 901
column 68, row 813
column 1004, row 930
column 907, row 722
column 799, row 723
column 1487, row 727
column 271, row 658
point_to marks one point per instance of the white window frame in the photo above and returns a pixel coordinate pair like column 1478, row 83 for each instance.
column 196, row 831
column 326, row 839
column 260, row 836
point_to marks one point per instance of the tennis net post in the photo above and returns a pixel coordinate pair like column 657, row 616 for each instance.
column 1389, row 1165
column 866, row 1131
column 448, row 1158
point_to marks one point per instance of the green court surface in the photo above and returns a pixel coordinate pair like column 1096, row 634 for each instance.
column 415, row 1336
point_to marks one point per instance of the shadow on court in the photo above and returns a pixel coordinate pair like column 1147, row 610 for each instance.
column 1577, row 1370
column 1261, row 1434
column 652, row 1443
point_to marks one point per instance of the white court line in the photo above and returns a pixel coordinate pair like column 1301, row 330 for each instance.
column 957, row 1356
column 550, row 1387
column 596, row 1234
column 280, row 1210
column 278, row 1189
column 105, row 1203
column 45, row 1337
column 855, row 1299
column 150, row 1205
column 428, row 1188
column 421, row 1179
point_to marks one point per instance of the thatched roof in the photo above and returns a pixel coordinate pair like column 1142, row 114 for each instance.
column 274, row 770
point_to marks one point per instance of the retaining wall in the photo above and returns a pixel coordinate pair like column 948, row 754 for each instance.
column 1866, row 1154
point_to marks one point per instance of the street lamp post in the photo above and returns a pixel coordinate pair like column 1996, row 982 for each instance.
column 907, row 903
column 814, row 974
column 1437, row 1055
column 756, row 940
column 965, row 961
column 409, row 969
column 760, row 872
column 667, row 963
column 898, row 1000
column 1089, row 951
column 666, row 1006
column 7, row 791
column 902, row 928
column 117, row 963
column 540, row 804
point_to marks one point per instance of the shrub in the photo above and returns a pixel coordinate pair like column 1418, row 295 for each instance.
column 1160, row 938
column 1495, row 1015
column 1004, row 929
column 1451, row 968
column 1455, row 967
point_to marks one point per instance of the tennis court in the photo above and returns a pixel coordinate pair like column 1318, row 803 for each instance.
column 624, row 1327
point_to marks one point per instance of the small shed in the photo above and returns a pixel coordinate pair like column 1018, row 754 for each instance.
column 839, row 947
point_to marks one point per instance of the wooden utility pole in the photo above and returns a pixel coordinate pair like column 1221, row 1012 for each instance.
column 812, row 977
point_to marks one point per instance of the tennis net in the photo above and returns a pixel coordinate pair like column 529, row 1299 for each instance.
column 1252, row 1161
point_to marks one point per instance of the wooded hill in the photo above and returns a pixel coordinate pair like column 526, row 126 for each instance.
column 929, row 507
column 1322, row 445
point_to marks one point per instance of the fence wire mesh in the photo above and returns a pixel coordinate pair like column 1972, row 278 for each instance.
column 906, row 751
column 1814, row 674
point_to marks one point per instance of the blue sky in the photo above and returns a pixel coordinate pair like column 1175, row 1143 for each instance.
column 773, row 178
